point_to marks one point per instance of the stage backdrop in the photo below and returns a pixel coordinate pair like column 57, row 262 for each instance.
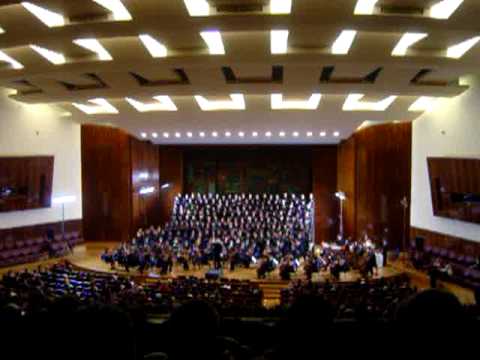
column 248, row 169
column 273, row 169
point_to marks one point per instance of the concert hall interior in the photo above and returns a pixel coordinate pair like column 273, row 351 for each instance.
column 238, row 179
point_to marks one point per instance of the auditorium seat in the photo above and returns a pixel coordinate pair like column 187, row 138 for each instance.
column 13, row 252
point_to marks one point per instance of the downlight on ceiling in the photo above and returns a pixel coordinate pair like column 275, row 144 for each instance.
column 237, row 102
column 278, row 103
column 407, row 40
column 214, row 41
column 101, row 106
column 342, row 44
column 52, row 56
column 118, row 10
column 94, row 45
column 49, row 18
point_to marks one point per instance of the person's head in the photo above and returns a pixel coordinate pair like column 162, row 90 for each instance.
column 431, row 308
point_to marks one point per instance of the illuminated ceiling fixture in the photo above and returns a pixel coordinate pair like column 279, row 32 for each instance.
column 166, row 135
column 237, row 102
column 52, row 56
column 342, row 44
column 277, row 103
column 2, row 31
column 353, row 103
column 119, row 11
column 241, row 134
column 154, row 135
column 49, row 18
column 280, row 6
column 281, row 134
column 197, row 7
column 336, row 134
column 5, row 58
column 365, row 7
column 101, row 106
column 457, row 51
column 214, row 41
column 164, row 103
column 444, row 9
column 278, row 41
column 154, row 47
column 143, row 135
column 323, row 134
column 424, row 103
column 407, row 40
column 94, row 46
column 189, row 134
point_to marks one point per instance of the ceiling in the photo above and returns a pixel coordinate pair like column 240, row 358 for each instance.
column 247, row 67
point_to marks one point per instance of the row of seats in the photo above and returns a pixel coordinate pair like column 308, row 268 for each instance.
column 13, row 252
column 465, row 270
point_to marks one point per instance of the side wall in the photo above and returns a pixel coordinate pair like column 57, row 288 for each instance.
column 374, row 172
column 28, row 130
column 451, row 130
column 106, row 179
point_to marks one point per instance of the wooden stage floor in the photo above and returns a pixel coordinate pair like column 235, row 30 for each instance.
column 91, row 261
column 87, row 257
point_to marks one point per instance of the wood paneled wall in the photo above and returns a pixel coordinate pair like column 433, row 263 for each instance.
column 324, row 186
column 248, row 169
column 115, row 166
column 454, row 183
column 347, row 166
column 378, row 158
column 30, row 178
column 452, row 243
column 145, row 173
column 106, row 183
column 171, row 173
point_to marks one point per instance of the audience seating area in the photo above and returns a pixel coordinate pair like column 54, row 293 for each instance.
column 19, row 251
column 376, row 299
column 190, row 318
column 464, row 269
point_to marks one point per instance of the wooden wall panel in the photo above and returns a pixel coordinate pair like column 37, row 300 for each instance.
column 383, row 180
column 452, row 243
column 30, row 178
column 256, row 169
column 324, row 186
column 455, row 188
column 347, row 155
column 106, row 181
column 171, row 172
column 145, row 173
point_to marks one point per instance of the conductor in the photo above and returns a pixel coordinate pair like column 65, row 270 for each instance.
column 217, row 249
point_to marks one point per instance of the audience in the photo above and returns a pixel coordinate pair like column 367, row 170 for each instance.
column 63, row 313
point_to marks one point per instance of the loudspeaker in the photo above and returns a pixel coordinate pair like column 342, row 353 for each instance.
column 419, row 243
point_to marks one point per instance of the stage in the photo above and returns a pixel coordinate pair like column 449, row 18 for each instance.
column 87, row 257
